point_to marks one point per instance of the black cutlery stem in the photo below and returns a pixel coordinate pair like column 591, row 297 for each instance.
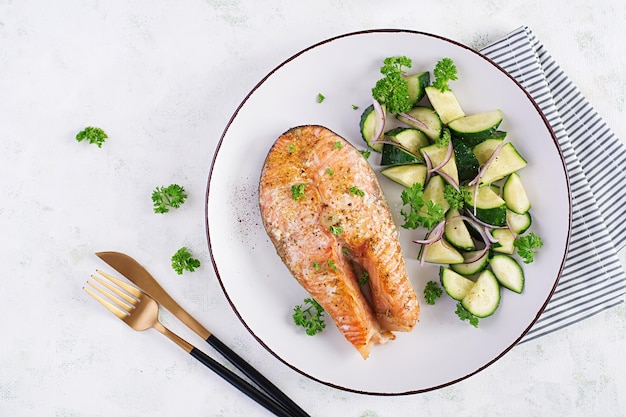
column 256, row 377
column 241, row 384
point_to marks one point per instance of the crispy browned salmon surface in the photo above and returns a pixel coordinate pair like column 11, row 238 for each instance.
column 326, row 214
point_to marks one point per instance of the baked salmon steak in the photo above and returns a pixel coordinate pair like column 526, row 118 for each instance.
column 325, row 213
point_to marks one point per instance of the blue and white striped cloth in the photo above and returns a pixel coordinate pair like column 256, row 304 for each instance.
column 593, row 279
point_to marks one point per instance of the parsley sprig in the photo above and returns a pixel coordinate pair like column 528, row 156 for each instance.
column 183, row 260
column 393, row 89
column 432, row 291
column 527, row 246
column 93, row 135
column 465, row 315
column 444, row 71
column 421, row 213
column 454, row 197
column 444, row 140
column 364, row 278
column 297, row 191
column 309, row 315
column 166, row 198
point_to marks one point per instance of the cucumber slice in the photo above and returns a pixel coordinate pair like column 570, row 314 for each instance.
column 416, row 84
column 445, row 104
column 514, row 194
column 370, row 121
column 437, row 155
column 456, row 286
column 441, row 252
column 456, row 232
column 518, row 223
column 471, row 268
column 490, row 207
column 406, row 175
column 394, row 155
column 424, row 119
column 483, row 298
column 485, row 149
column 411, row 139
column 434, row 191
column 476, row 127
column 505, row 241
column 508, row 272
column 507, row 161
column 466, row 163
column 473, row 141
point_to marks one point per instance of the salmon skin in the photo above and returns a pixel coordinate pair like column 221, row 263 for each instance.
column 325, row 213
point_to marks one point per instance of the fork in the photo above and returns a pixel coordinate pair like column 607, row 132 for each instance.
column 141, row 312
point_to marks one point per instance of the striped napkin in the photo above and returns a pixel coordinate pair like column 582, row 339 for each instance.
column 593, row 279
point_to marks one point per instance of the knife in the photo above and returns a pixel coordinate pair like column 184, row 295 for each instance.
column 138, row 275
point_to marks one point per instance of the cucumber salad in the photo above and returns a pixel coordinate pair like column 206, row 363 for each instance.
column 463, row 186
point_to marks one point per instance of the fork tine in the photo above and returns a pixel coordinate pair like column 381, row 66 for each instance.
column 116, row 290
column 136, row 292
column 120, row 303
column 109, row 306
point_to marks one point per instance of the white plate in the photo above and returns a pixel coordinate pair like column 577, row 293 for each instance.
column 442, row 349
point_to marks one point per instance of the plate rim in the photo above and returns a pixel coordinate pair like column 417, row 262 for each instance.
column 322, row 43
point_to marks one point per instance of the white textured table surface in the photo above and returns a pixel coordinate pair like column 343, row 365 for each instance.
column 163, row 78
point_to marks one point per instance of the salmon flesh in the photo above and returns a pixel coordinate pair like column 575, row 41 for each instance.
column 325, row 213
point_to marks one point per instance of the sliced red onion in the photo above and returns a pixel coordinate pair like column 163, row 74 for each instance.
column 446, row 159
column 479, row 255
column 450, row 180
column 482, row 223
column 396, row 144
column 484, row 234
column 380, row 112
column 413, row 119
column 429, row 166
column 435, row 234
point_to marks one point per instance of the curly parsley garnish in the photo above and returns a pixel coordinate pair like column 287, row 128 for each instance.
column 165, row 198
column 421, row 213
column 444, row 71
column 357, row 191
column 527, row 246
column 297, row 191
column 183, row 260
column 336, row 230
column 465, row 315
column 432, row 291
column 393, row 89
column 454, row 197
column 93, row 135
column 310, row 316
column 364, row 278
column 444, row 140
column 332, row 265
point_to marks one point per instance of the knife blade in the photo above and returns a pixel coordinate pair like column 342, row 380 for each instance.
column 137, row 274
